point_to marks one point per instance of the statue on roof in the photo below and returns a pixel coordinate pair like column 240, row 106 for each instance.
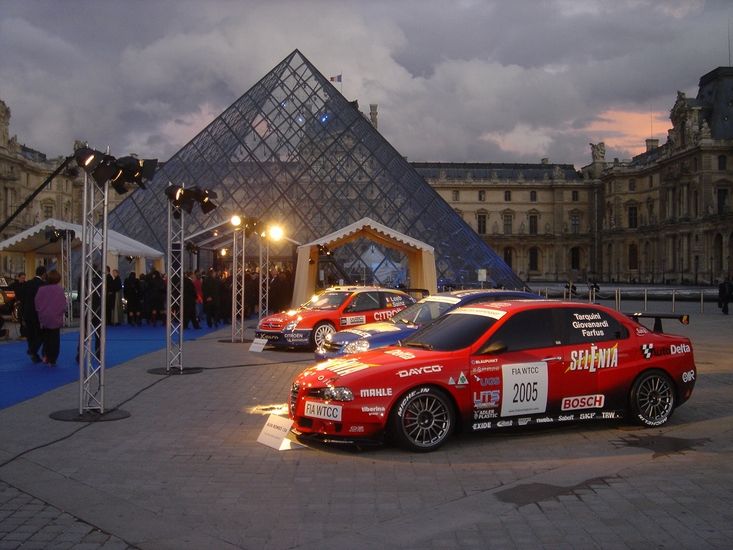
column 598, row 151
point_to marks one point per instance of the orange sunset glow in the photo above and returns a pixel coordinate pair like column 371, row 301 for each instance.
column 627, row 130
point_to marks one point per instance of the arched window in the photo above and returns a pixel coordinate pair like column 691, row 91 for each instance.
column 722, row 162
column 534, row 259
column 633, row 257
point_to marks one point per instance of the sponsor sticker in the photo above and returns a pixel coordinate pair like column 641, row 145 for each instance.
column 590, row 324
column 400, row 354
column 416, row 371
column 375, row 392
column 481, row 425
column 493, row 313
column 462, row 380
column 342, row 366
column 373, row 411
column 488, row 381
column 688, row 376
column 314, row 409
column 385, row 315
column 356, row 429
column 483, row 414
column 486, row 399
column 352, row 320
column 593, row 358
column 582, row 402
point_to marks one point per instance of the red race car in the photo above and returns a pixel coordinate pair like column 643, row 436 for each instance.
column 333, row 309
column 498, row 365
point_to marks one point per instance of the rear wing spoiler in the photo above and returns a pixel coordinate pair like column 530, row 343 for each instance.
column 684, row 319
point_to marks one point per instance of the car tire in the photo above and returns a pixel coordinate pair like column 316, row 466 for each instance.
column 652, row 399
column 422, row 419
column 319, row 333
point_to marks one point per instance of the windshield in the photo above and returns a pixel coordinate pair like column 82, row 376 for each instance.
column 327, row 300
column 450, row 332
column 421, row 313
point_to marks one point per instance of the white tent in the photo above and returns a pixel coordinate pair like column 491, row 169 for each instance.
column 33, row 241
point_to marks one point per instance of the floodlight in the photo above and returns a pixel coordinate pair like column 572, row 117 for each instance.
column 134, row 170
column 105, row 171
column 88, row 158
column 236, row 221
column 275, row 232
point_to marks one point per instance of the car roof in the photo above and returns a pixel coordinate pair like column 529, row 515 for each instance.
column 347, row 288
column 508, row 306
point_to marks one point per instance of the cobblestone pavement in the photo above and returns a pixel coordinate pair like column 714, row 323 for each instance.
column 185, row 471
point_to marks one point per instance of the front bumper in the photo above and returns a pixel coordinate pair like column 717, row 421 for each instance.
column 299, row 338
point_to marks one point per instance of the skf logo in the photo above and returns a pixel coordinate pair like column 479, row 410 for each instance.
column 583, row 402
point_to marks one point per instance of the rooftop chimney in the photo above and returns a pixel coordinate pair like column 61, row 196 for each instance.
column 651, row 144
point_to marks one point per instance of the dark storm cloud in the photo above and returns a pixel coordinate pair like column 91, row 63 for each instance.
column 461, row 81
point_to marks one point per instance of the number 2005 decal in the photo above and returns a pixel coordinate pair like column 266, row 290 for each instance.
column 524, row 388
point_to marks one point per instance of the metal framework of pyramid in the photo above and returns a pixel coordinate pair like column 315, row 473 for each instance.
column 294, row 150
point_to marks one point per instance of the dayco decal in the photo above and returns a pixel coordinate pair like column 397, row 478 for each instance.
column 688, row 376
column 582, row 402
column 384, row 315
column 419, row 370
column 593, row 359
column 375, row 392
column 400, row 354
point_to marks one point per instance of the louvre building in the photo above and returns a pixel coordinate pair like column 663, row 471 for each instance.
column 293, row 151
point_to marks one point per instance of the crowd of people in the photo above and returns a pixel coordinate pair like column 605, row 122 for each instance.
column 139, row 300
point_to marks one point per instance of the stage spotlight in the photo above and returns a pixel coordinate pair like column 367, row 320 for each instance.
column 105, row 171
column 88, row 158
column 134, row 170
column 52, row 234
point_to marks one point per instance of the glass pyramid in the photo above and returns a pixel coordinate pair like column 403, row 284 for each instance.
column 293, row 150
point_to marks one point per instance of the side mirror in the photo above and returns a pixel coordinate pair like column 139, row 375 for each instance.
column 493, row 348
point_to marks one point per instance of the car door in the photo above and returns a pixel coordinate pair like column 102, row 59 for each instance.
column 360, row 310
column 595, row 346
column 513, row 384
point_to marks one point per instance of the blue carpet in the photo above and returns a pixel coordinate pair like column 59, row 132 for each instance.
column 21, row 379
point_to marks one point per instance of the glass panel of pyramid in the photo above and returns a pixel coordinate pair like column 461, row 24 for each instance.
column 294, row 150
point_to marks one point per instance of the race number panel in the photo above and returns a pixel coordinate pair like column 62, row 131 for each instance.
column 524, row 388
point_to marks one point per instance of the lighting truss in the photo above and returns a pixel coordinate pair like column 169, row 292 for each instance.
column 239, row 307
column 92, row 333
column 174, row 303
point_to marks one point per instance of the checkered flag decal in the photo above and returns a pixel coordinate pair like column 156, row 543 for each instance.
column 646, row 350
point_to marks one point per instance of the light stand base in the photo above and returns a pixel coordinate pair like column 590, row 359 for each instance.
column 72, row 415
column 173, row 371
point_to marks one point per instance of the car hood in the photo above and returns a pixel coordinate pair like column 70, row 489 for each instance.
column 352, row 368
column 365, row 331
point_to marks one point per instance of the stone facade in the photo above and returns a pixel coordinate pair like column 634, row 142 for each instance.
column 663, row 216
column 22, row 171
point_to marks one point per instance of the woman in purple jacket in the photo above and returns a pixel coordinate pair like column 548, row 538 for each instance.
column 51, row 305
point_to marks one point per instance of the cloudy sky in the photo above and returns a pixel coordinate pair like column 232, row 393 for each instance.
column 455, row 80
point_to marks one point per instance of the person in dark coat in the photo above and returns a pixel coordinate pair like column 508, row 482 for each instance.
column 189, row 302
column 132, row 297
column 30, row 316
column 110, row 298
column 154, row 296
column 725, row 295
column 50, row 304
column 17, row 288
column 212, row 297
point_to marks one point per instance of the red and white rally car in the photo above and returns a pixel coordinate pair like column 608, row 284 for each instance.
column 497, row 365
column 333, row 309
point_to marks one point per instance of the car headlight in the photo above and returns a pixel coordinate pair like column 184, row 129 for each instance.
column 291, row 325
column 356, row 346
column 338, row 394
